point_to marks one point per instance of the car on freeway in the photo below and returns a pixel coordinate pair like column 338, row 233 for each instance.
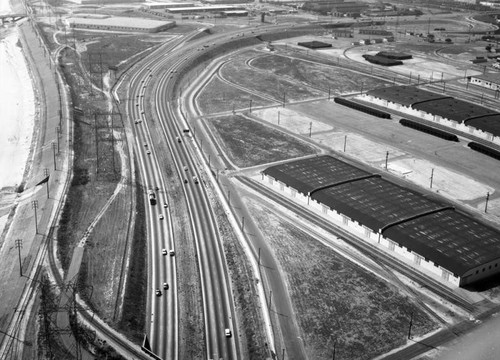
column 178, row 139
column 161, row 217
column 165, row 205
column 164, row 251
column 137, row 121
column 195, row 179
column 165, row 286
column 185, row 168
column 157, row 188
column 227, row 332
column 148, row 152
column 158, row 292
column 185, row 181
column 171, row 252
column 145, row 145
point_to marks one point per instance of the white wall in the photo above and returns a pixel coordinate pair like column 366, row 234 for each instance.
column 367, row 235
column 431, row 117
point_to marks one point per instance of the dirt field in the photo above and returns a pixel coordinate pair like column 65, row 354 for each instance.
column 335, row 299
column 219, row 96
column 249, row 143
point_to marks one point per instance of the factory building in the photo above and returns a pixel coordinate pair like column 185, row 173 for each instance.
column 426, row 234
column 445, row 110
column 205, row 9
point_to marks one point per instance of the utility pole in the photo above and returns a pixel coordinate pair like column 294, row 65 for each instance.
column 486, row 204
column 46, row 174
column 19, row 245
column 250, row 106
column 278, row 117
column 34, row 205
column 345, row 142
column 54, row 153
column 96, row 147
column 432, row 176
column 242, row 223
column 310, row 128
column 58, row 131
column 386, row 159
column 258, row 258
column 284, row 98
column 270, row 298
column 409, row 328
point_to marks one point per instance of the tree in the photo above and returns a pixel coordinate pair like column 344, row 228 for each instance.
column 448, row 40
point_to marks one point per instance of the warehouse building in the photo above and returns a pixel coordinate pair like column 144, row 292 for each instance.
column 427, row 234
column 122, row 24
column 205, row 9
column 445, row 110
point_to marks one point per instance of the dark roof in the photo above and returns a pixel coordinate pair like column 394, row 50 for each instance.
column 406, row 95
column 489, row 124
column 380, row 60
column 454, row 109
column 308, row 174
column 394, row 55
column 449, row 239
column 375, row 202
column 314, row 44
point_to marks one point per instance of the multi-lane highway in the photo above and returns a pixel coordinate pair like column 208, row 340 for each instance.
column 155, row 77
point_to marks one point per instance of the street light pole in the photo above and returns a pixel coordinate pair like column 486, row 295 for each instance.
column 19, row 245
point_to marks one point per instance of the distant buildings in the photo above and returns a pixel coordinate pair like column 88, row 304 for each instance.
column 336, row 7
column 116, row 23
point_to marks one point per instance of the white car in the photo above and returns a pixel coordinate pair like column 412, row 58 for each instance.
column 165, row 205
column 158, row 292
column 164, row 251
column 161, row 216
column 148, row 152
column 227, row 332
column 171, row 252
column 185, row 168
column 165, row 286
column 137, row 121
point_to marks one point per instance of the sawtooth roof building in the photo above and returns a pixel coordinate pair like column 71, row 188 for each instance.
column 425, row 233
column 464, row 116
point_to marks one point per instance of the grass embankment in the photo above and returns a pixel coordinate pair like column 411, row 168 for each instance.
column 244, row 285
column 219, row 96
column 132, row 321
column 336, row 300
column 250, row 143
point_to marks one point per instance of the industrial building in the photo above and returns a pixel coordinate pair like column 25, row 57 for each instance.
column 425, row 233
column 445, row 110
column 205, row 9
column 164, row 5
column 122, row 24
column 488, row 80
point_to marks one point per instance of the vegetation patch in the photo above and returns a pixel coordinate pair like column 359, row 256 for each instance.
column 270, row 84
column 219, row 96
column 250, row 143
column 337, row 301
column 335, row 79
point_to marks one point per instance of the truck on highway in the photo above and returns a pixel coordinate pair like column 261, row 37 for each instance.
column 152, row 197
